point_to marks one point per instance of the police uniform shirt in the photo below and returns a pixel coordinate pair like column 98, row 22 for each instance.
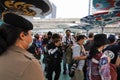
column 18, row 64
column 115, row 50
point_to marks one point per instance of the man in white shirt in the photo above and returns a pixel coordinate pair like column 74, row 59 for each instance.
column 66, row 42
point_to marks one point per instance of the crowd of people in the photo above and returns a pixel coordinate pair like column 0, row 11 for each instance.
column 94, row 57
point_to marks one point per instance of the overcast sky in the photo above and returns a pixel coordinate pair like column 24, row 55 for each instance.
column 71, row 8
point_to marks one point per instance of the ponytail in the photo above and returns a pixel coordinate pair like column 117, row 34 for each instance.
column 93, row 52
column 3, row 45
column 8, row 36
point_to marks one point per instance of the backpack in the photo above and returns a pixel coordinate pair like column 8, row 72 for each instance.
column 73, row 63
column 106, row 70
column 69, row 54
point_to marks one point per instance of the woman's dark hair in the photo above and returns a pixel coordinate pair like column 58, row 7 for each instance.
column 68, row 30
column 36, row 36
column 79, row 37
column 93, row 51
column 98, row 41
column 49, row 33
column 91, row 35
column 56, row 37
column 9, row 35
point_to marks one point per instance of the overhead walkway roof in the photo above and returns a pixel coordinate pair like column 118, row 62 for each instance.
column 65, row 23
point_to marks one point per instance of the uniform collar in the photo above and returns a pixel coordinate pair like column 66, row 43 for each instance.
column 21, row 51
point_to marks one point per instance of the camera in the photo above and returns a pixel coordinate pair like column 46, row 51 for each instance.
column 73, row 68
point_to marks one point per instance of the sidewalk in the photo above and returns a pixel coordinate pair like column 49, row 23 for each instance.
column 62, row 77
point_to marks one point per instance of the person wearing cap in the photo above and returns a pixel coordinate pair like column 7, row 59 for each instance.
column 112, row 46
column 16, row 62
column 79, row 55
column 115, row 52
column 99, row 67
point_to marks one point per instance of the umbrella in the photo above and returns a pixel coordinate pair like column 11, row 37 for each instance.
column 106, row 4
column 103, row 18
column 83, row 27
column 27, row 7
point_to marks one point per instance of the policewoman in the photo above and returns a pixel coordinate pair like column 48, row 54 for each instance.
column 16, row 63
